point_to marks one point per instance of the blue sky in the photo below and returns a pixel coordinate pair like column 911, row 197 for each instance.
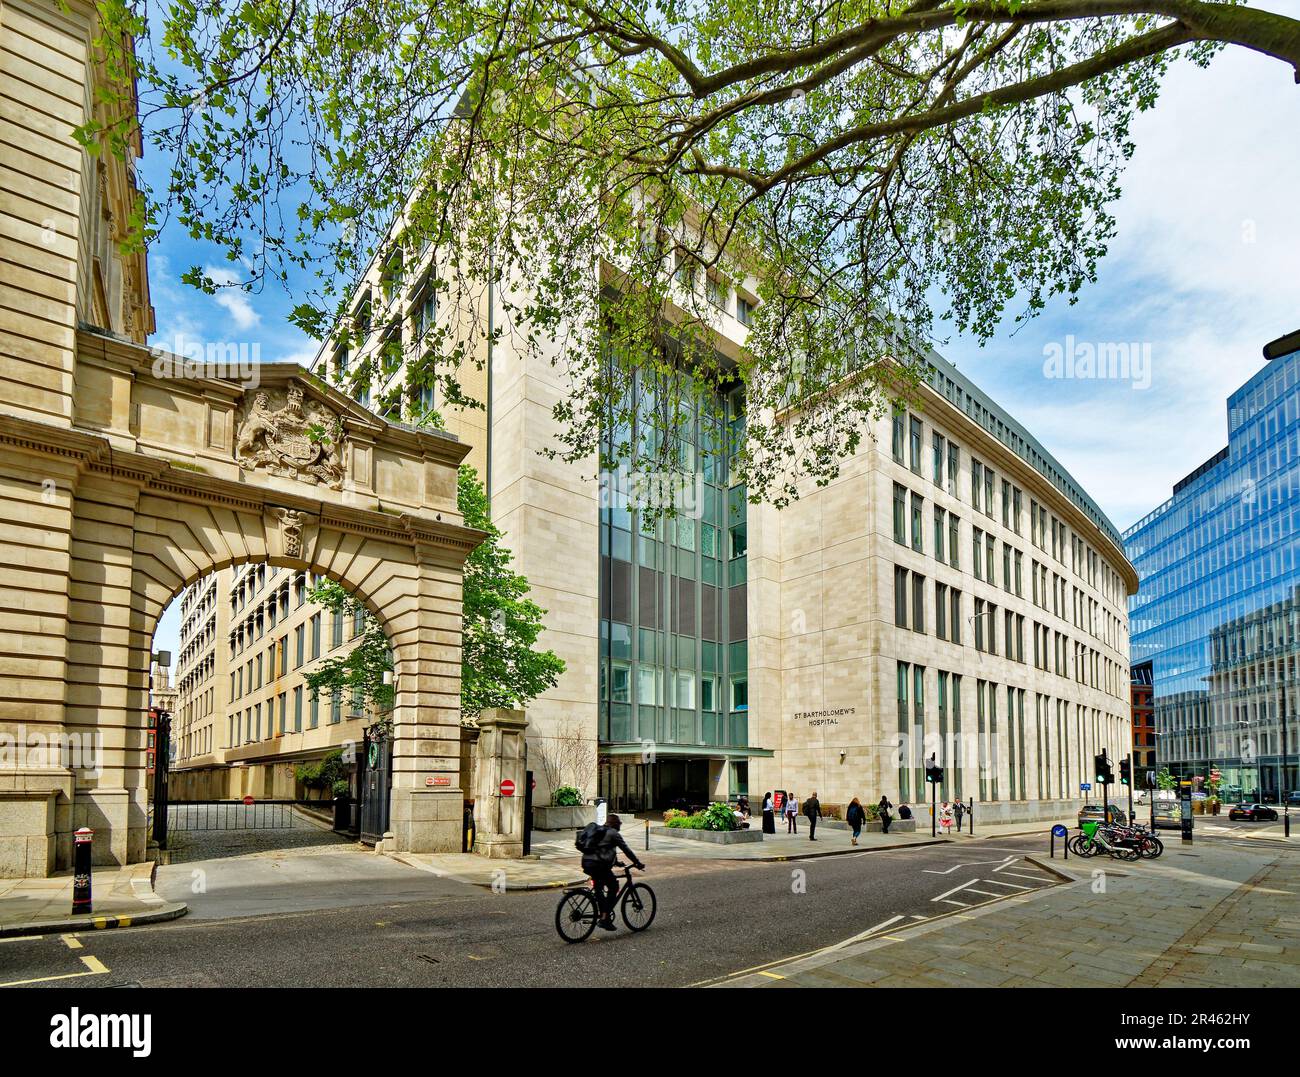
column 1203, row 272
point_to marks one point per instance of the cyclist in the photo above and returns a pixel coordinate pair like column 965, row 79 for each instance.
column 599, row 852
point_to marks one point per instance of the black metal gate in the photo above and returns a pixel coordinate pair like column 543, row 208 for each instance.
column 373, row 785
column 162, row 756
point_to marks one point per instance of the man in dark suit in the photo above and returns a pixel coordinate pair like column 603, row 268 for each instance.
column 813, row 809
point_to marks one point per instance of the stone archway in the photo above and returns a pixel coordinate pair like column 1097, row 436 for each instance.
column 164, row 474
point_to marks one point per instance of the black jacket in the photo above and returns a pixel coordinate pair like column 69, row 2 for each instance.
column 606, row 847
column 855, row 815
column 812, row 807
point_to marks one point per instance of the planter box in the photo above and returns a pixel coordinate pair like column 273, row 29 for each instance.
column 718, row 837
column 898, row 826
column 563, row 816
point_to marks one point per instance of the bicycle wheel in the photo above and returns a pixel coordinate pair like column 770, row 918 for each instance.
column 638, row 907
column 1151, row 847
column 1081, row 846
column 1123, row 852
column 575, row 916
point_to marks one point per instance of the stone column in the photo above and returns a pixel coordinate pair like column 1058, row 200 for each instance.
column 499, row 820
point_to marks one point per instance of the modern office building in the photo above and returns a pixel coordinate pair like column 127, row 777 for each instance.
column 1220, row 564
column 954, row 588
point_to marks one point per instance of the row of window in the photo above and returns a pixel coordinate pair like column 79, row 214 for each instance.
column 1047, row 532
column 246, row 726
column 1056, row 759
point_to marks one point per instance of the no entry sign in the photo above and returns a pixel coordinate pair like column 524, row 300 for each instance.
column 248, row 801
column 507, row 788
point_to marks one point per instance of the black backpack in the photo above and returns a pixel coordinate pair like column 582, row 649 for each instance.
column 588, row 838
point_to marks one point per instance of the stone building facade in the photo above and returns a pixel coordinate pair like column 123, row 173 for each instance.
column 751, row 649
column 125, row 478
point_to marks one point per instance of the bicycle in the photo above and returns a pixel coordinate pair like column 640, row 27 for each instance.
column 578, row 911
column 1096, row 839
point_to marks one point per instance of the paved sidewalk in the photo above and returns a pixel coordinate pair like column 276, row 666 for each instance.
column 122, row 897
column 1219, row 914
column 528, row 874
column 833, row 838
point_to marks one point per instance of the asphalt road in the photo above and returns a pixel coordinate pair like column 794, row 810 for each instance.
column 412, row 929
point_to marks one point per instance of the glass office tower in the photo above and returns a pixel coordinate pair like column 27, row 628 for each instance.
column 1216, row 612
column 674, row 692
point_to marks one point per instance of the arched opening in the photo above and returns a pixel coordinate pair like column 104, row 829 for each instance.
column 270, row 713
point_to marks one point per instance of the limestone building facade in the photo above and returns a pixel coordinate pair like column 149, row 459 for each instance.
column 955, row 591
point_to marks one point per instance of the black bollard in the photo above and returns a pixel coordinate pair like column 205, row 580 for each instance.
column 81, row 856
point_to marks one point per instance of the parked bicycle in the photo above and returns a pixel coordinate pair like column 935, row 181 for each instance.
column 578, row 911
column 1095, row 839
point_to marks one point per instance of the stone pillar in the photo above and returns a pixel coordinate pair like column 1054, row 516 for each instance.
column 499, row 820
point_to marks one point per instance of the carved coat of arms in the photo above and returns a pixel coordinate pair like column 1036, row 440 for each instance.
column 298, row 440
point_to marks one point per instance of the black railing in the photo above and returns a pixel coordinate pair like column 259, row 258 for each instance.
column 238, row 815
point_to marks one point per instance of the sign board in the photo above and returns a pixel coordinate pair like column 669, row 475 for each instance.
column 507, row 788
column 1085, row 786
column 428, row 780
column 248, row 801
column 778, row 801
column 437, row 779
column 1059, row 831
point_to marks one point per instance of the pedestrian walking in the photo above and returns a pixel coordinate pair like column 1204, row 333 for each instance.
column 959, row 810
column 813, row 809
column 886, row 814
column 792, row 815
column 769, row 820
column 945, row 818
column 855, row 816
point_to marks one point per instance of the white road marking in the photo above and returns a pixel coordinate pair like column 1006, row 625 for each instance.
column 949, row 901
column 1022, row 875
column 969, row 864
column 986, row 893
column 954, row 890
column 1014, row 886
column 862, row 935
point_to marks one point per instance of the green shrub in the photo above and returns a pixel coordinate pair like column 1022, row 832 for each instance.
column 718, row 816
column 674, row 813
column 687, row 822
column 872, row 812
column 566, row 796
column 326, row 773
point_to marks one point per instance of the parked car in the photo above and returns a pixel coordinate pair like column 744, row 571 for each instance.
column 1293, row 797
column 1168, row 814
column 1092, row 813
column 1252, row 812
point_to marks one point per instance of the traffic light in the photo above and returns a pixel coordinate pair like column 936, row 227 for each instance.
column 933, row 772
column 1125, row 772
column 1105, row 776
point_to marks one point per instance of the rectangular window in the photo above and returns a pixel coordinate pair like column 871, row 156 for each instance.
column 900, row 597
column 941, row 610
column 918, row 509
column 918, row 603
column 954, row 545
column 954, row 618
column 977, row 545
column 976, row 482
column 904, row 732
column 988, row 492
column 939, row 449
column 915, row 445
column 898, row 435
column 315, row 636
column 297, row 709
column 939, row 531
column 900, row 514
column 740, row 693
column 953, row 461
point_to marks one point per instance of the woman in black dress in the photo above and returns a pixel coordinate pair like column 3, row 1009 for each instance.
column 769, row 819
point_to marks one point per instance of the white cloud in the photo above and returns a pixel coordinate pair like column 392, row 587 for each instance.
column 234, row 301
column 1204, row 269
